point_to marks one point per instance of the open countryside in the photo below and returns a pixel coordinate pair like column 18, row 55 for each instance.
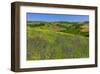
column 57, row 36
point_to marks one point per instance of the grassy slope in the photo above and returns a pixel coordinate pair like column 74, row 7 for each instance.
column 48, row 44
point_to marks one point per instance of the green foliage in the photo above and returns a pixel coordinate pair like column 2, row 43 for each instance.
column 68, row 27
column 56, row 40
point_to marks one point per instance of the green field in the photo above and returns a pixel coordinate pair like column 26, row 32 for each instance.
column 57, row 40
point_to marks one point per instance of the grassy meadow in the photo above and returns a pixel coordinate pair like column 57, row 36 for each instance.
column 57, row 40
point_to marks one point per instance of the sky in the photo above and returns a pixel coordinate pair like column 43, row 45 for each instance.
column 56, row 17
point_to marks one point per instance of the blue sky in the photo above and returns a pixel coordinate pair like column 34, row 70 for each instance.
column 56, row 17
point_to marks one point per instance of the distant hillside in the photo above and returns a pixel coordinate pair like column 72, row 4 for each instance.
column 80, row 28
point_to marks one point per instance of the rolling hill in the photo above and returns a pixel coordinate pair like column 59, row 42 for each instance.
column 56, row 40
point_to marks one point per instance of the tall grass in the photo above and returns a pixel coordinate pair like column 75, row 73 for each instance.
column 45, row 43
